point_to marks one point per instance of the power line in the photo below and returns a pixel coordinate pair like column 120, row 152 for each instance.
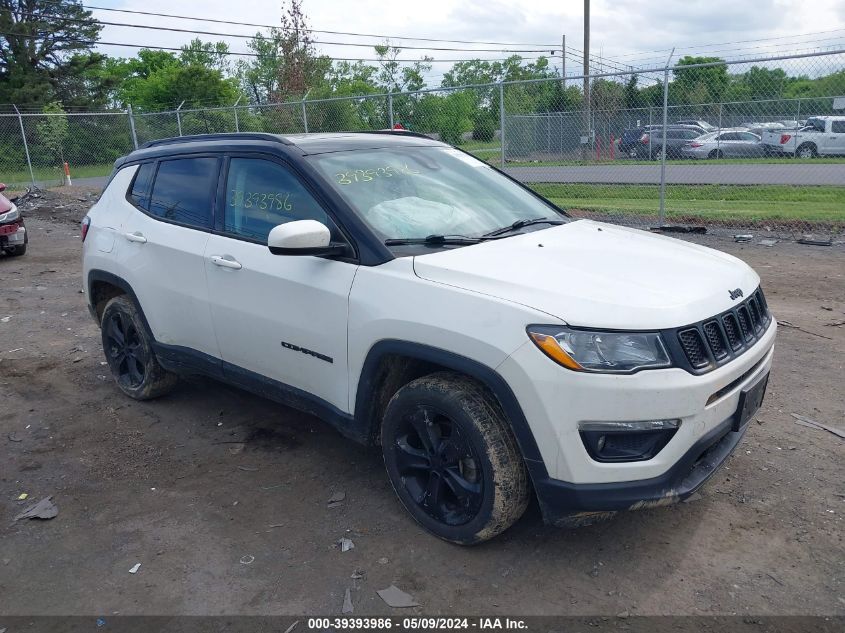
column 249, row 37
column 268, row 26
column 738, row 54
column 236, row 53
column 752, row 41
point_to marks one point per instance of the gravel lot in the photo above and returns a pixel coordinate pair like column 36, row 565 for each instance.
column 222, row 496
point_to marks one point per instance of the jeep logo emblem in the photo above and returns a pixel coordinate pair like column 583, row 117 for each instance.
column 735, row 294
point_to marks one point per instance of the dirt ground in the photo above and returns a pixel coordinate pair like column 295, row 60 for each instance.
column 222, row 496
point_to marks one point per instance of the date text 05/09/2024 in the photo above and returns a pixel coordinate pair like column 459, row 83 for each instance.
column 418, row 623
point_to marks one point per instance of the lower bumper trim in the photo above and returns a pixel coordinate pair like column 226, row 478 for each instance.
column 571, row 505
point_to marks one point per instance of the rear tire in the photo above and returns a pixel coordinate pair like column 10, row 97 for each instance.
column 452, row 458
column 806, row 150
column 129, row 352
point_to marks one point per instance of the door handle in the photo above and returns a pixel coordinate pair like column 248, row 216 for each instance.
column 137, row 236
column 226, row 261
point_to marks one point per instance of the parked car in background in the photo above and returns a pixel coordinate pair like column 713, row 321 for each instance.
column 13, row 238
column 735, row 143
column 759, row 128
column 651, row 142
column 821, row 136
column 704, row 125
column 630, row 138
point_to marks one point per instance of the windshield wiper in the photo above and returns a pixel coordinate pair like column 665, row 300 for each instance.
column 436, row 240
column 522, row 223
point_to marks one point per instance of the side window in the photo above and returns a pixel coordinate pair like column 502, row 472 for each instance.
column 184, row 191
column 748, row 136
column 838, row 126
column 729, row 136
column 816, row 124
column 139, row 194
column 261, row 194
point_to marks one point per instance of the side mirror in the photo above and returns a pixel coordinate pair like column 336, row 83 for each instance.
column 2, row 187
column 303, row 237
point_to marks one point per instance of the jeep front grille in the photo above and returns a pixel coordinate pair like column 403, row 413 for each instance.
column 714, row 341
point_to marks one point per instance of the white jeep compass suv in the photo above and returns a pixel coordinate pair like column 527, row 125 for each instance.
column 420, row 300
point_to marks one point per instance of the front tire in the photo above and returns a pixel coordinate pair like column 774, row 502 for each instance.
column 715, row 154
column 129, row 352
column 452, row 458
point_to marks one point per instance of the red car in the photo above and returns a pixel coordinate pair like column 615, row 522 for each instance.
column 13, row 238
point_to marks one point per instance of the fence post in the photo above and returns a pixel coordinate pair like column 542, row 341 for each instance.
column 502, row 120
column 179, row 117
column 661, row 216
column 390, row 110
column 25, row 146
column 235, row 111
column 718, row 137
column 650, row 116
column 132, row 126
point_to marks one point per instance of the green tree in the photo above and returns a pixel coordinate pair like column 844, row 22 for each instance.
column 209, row 54
column 37, row 49
column 393, row 76
column 196, row 85
column 53, row 130
column 156, row 80
column 259, row 76
column 703, row 84
column 632, row 93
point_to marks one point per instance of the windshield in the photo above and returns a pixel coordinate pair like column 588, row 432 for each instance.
column 416, row 192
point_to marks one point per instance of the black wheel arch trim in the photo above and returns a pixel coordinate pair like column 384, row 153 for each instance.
column 96, row 275
column 367, row 384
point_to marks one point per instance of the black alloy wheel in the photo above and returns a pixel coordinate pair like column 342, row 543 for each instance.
column 125, row 351
column 439, row 467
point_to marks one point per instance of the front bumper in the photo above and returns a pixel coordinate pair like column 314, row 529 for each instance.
column 572, row 505
column 556, row 400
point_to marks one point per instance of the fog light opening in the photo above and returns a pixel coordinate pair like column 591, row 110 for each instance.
column 627, row 441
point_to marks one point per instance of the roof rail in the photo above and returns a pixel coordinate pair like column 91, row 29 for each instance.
column 398, row 133
column 238, row 136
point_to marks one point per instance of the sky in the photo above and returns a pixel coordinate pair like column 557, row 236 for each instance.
column 624, row 33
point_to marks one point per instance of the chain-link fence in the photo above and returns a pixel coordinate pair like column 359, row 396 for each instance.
column 748, row 145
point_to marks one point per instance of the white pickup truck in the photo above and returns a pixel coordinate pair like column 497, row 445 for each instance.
column 820, row 136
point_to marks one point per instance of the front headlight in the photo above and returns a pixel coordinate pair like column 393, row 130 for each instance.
column 11, row 214
column 597, row 351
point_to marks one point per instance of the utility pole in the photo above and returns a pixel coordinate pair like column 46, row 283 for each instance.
column 563, row 59
column 585, row 145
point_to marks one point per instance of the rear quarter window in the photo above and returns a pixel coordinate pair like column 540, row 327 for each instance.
column 139, row 190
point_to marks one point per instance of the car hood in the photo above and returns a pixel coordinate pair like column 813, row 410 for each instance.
column 597, row 275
